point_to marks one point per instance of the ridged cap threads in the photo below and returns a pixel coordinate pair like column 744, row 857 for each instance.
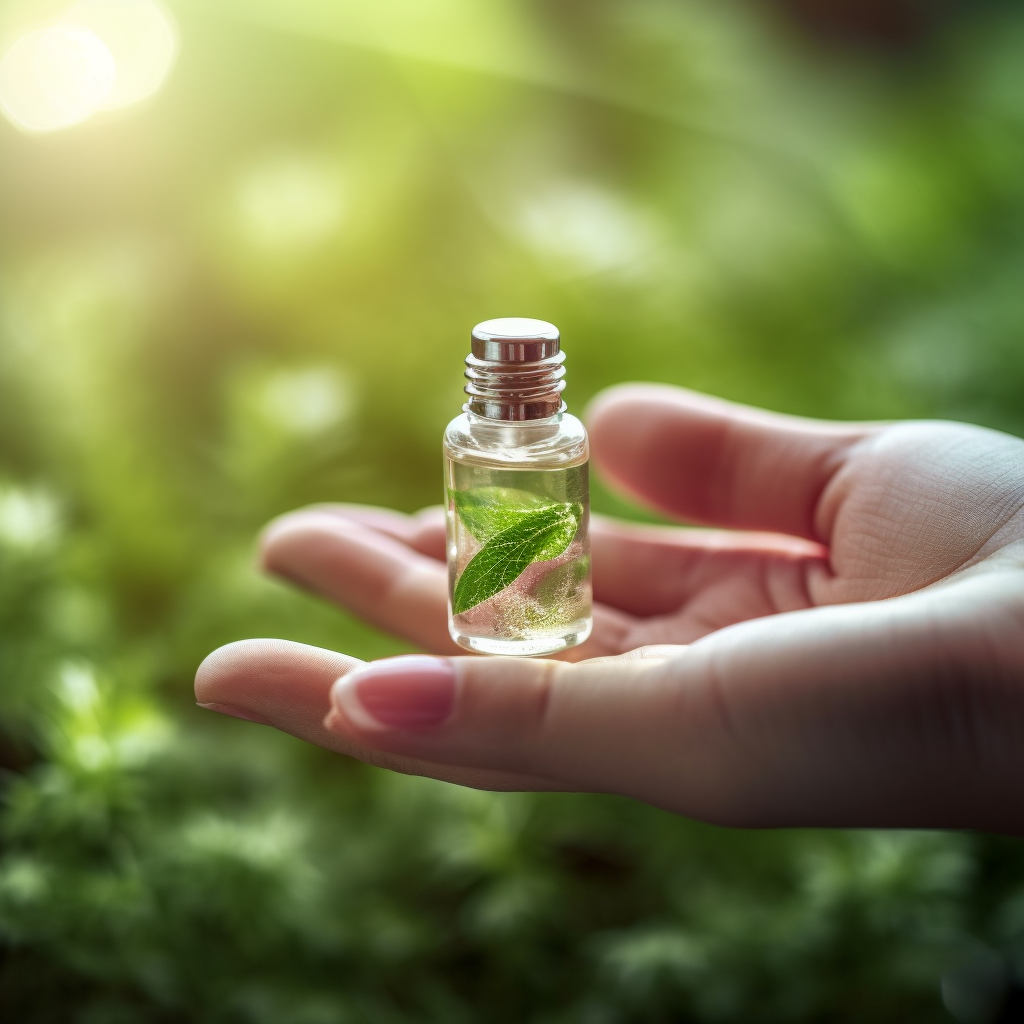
column 515, row 369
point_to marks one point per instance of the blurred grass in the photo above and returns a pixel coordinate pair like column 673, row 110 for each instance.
column 255, row 292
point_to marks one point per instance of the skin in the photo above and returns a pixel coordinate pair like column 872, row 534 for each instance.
column 845, row 648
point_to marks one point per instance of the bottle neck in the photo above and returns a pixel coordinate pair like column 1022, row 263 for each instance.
column 515, row 391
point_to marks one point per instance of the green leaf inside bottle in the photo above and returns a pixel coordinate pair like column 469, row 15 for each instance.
column 518, row 530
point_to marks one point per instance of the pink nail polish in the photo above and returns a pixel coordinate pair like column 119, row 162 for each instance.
column 234, row 712
column 412, row 693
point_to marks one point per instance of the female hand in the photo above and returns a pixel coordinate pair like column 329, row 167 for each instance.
column 849, row 651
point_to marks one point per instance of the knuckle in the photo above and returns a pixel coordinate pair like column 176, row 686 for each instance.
column 535, row 713
column 539, row 697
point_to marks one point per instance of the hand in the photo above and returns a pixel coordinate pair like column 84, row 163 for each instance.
column 859, row 660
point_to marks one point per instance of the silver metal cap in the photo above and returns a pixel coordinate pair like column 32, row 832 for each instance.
column 515, row 339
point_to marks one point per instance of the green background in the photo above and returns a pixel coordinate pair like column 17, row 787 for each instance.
column 255, row 291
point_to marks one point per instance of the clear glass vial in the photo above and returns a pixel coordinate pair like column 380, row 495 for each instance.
column 517, row 498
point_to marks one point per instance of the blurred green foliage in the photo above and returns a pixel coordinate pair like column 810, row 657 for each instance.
column 256, row 292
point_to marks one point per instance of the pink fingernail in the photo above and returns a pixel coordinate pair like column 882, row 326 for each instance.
column 413, row 693
column 235, row 712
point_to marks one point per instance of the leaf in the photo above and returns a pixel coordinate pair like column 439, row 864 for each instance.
column 486, row 511
column 538, row 536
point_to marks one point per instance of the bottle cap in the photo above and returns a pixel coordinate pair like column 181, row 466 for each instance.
column 515, row 339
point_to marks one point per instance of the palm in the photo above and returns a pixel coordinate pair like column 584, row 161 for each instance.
column 902, row 508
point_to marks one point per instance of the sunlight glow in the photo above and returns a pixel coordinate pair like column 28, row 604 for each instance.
column 101, row 55
column 142, row 38
column 54, row 78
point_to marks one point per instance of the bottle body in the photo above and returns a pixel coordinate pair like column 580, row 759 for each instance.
column 518, row 512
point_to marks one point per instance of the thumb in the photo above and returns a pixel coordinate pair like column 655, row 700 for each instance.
column 607, row 725
column 882, row 714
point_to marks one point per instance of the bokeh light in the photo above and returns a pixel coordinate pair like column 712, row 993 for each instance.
column 580, row 229
column 29, row 519
column 307, row 401
column 142, row 38
column 287, row 203
column 101, row 55
column 55, row 77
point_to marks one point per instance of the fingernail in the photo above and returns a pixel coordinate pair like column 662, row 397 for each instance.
column 234, row 712
column 413, row 693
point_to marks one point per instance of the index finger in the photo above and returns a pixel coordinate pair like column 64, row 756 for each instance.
column 709, row 461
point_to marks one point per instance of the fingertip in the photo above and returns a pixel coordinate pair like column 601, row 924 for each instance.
column 295, row 545
column 428, row 533
column 606, row 408
column 279, row 671
column 217, row 664
column 280, row 535
column 233, row 661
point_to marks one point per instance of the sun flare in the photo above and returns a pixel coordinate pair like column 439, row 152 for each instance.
column 100, row 55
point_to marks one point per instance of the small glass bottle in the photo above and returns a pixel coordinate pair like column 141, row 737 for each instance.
column 517, row 498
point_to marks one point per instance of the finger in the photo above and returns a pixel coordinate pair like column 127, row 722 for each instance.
column 384, row 581
column 288, row 685
column 652, row 571
column 423, row 531
column 883, row 714
column 379, row 578
column 706, row 460
column 641, row 570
